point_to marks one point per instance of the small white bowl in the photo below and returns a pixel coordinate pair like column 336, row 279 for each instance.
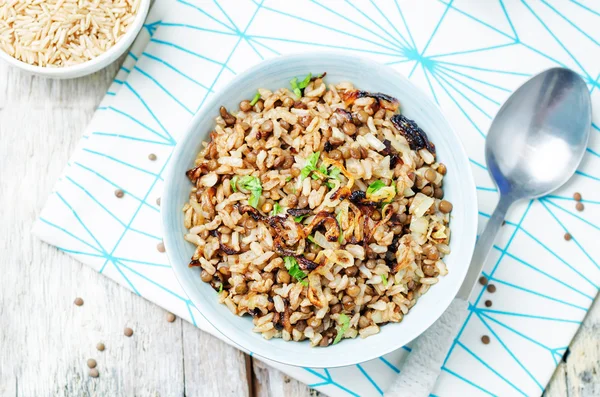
column 93, row 65
column 459, row 188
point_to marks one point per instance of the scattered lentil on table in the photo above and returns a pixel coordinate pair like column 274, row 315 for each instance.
column 171, row 317
column 152, row 157
column 100, row 346
column 488, row 303
column 568, row 236
column 485, row 339
column 78, row 301
column 160, row 247
column 91, row 363
column 158, row 201
column 119, row 193
column 483, row 280
column 94, row 373
column 579, row 206
column 491, row 288
column 128, row 332
column 577, row 196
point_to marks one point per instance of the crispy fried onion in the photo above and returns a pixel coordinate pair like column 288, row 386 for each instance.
column 386, row 215
column 385, row 101
column 316, row 296
column 336, row 163
column 226, row 249
column 303, row 263
column 417, row 138
column 342, row 258
column 327, row 219
column 404, row 255
column 282, row 320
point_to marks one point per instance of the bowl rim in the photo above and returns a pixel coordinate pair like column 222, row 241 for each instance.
column 213, row 103
column 92, row 65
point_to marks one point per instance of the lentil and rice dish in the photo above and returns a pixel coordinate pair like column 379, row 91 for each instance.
column 319, row 211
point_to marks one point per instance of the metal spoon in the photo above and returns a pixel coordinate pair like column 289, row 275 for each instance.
column 534, row 145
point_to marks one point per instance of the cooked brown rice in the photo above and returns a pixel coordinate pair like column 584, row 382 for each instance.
column 63, row 32
column 319, row 214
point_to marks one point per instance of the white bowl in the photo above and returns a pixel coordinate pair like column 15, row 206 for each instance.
column 459, row 188
column 93, row 65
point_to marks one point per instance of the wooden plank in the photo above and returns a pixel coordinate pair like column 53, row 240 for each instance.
column 269, row 382
column 212, row 367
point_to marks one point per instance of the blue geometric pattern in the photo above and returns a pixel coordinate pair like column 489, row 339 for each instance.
column 466, row 54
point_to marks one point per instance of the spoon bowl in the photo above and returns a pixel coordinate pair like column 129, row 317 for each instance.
column 540, row 134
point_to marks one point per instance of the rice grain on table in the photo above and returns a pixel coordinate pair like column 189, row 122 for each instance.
column 58, row 33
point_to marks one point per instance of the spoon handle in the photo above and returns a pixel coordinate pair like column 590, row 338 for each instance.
column 423, row 365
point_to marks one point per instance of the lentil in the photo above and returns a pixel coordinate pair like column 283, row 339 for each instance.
column 160, row 247
column 119, row 193
column 445, row 206
column 100, row 347
column 152, row 157
column 171, row 317
column 577, row 196
column 91, row 363
column 128, row 332
column 491, row 288
column 567, row 236
column 78, row 301
column 245, row 106
column 94, row 373
column 579, row 206
column 485, row 339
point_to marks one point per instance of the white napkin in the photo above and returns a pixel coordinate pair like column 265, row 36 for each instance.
column 469, row 57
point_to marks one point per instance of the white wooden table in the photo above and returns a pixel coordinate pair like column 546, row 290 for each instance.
column 45, row 340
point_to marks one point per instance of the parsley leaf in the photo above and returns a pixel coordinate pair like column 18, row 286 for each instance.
column 311, row 239
column 221, row 288
column 311, row 165
column 345, row 324
column 289, row 178
column 304, row 83
column 276, row 209
column 255, row 99
column 233, row 183
column 295, row 88
column 252, row 184
column 384, row 280
column 299, row 218
column 291, row 264
column 329, row 185
column 375, row 186
column 335, row 173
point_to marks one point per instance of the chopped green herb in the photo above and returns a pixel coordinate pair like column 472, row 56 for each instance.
column 345, row 324
column 276, row 209
column 291, row 264
column 295, row 88
column 375, row 186
column 252, row 184
column 384, row 280
column 299, row 218
column 339, row 221
column 329, row 185
column 311, row 239
column 221, row 288
column 304, row 83
column 255, row 99
column 335, row 173
column 289, row 178
column 311, row 165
